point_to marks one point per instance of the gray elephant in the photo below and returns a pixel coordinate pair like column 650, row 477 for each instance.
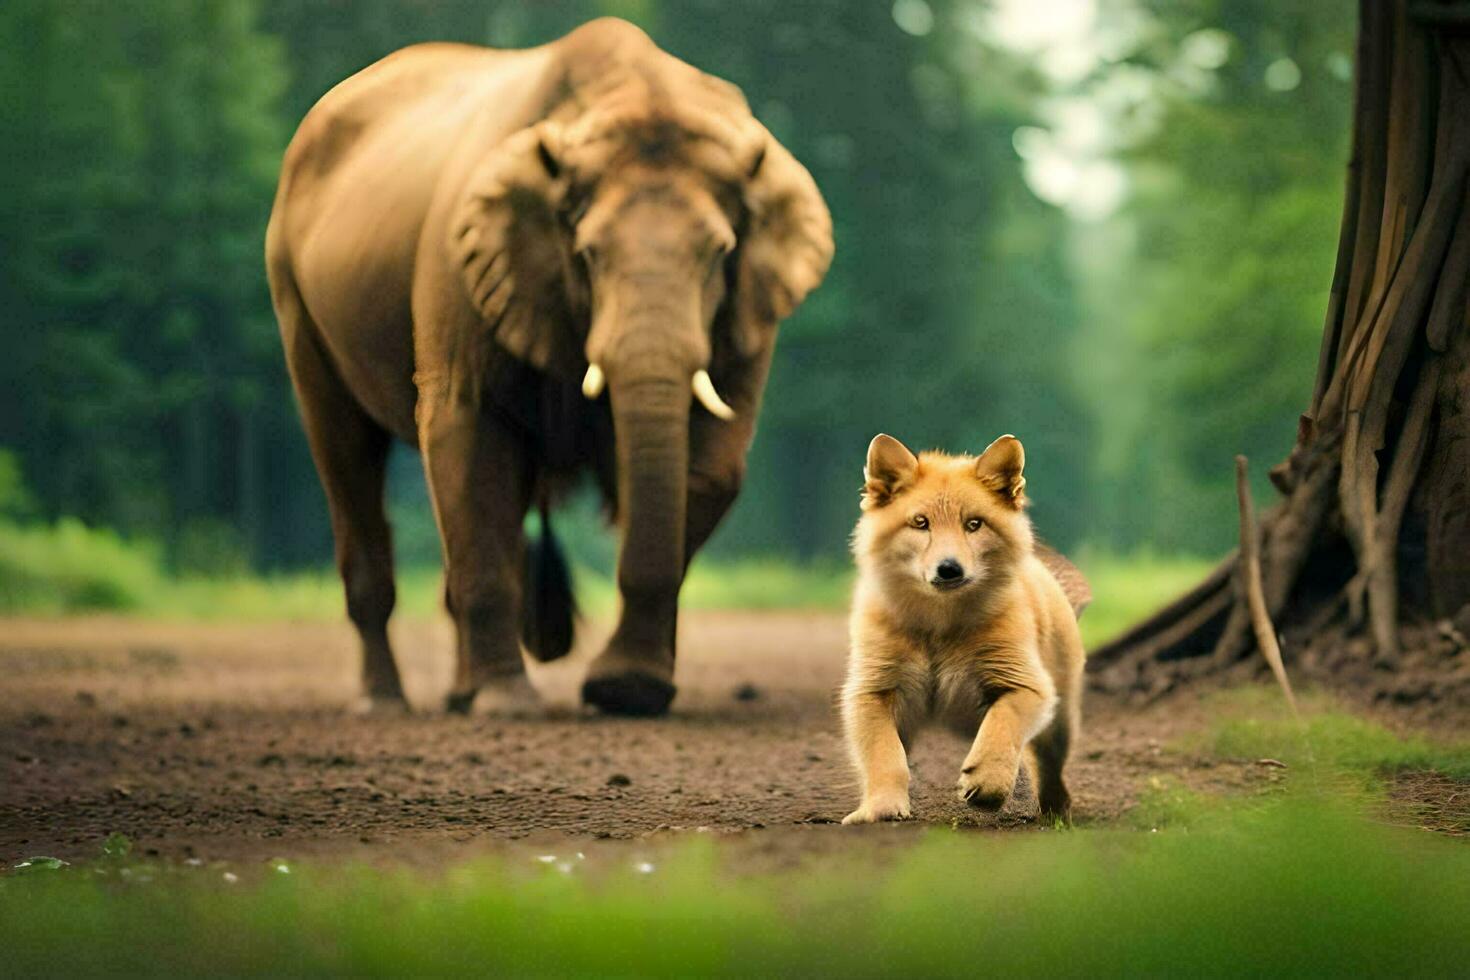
column 531, row 265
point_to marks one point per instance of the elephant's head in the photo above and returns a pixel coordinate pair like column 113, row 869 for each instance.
column 649, row 251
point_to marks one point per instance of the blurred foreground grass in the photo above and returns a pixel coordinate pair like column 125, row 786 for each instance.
column 68, row 568
column 1300, row 879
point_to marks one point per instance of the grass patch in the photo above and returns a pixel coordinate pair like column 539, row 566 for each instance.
column 1254, row 723
column 69, row 568
column 1295, row 886
column 1166, row 803
column 1126, row 588
column 748, row 583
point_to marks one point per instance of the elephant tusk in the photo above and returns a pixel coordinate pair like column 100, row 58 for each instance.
column 593, row 382
column 704, row 390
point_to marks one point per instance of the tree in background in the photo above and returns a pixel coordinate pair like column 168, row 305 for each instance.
column 139, row 172
column 1232, row 122
column 1372, row 538
column 142, row 385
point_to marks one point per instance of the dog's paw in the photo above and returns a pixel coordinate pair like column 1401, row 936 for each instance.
column 875, row 811
column 986, row 787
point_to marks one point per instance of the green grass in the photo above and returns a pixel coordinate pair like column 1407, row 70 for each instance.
column 68, row 568
column 1126, row 588
column 1298, row 885
column 745, row 583
column 1253, row 723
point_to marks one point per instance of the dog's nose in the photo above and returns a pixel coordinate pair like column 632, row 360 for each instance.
column 949, row 570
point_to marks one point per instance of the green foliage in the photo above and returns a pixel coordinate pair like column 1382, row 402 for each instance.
column 1327, row 741
column 210, row 548
column 740, row 583
column 1166, row 804
column 141, row 382
column 1292, row 886
column 117, row 845
column 1210, row 317
column 16, row 500
column 141, row 373
column 68, row 567
column 1127, row 587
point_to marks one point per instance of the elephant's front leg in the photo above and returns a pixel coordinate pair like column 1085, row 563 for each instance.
column 717, row 451
column 635, row 674
column 480, row 483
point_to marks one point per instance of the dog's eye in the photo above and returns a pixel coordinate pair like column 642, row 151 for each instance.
column 919, row 521
column 974, row 524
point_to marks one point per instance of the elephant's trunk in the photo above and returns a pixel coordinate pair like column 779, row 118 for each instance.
column 650, row 402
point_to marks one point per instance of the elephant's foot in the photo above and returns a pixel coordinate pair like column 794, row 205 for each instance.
column 511, row 696
column 382, row 705
column 382, row 692
column 620, row 685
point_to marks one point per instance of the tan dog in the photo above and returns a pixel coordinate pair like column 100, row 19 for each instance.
column 956, row 616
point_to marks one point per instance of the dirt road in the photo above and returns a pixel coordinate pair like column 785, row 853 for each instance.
column 236, row 742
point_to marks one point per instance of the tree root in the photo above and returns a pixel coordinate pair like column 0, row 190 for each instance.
column 1250, row 565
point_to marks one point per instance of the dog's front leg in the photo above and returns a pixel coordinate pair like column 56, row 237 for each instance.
column 989, row 773
column 870, row 718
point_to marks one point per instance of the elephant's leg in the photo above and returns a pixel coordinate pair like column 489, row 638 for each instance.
column 634, row 675
column 351, row 455
column 717, row 450
column 711, row 494
column 480, row 483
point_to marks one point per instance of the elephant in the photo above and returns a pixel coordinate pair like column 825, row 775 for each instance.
column 534, row 265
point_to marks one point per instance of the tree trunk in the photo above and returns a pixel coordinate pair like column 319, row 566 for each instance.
column 1371, row 541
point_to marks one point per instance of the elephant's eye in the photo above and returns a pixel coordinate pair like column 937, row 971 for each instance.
column 920, row 521
column 974, row 524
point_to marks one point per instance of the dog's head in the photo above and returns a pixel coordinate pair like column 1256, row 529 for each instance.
column 942, row 525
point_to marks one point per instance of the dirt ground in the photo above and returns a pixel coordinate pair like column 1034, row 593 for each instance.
column 236, row 743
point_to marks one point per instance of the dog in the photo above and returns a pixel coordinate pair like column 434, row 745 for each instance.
column 958, row 617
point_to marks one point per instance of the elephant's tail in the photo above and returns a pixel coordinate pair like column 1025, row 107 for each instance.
column 548, row 610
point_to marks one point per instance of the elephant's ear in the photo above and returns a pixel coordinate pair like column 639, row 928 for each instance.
column 786, row 248
column 505, row 238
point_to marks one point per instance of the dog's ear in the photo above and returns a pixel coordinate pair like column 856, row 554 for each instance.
column 891, row 468
column 999, row 468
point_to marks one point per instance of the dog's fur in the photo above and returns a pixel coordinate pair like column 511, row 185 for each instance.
column 996, row 647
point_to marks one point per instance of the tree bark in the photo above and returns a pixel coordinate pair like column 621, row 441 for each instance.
column 1380, row 473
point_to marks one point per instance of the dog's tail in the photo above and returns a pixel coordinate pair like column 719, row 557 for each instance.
column 548, row 608
column 1069, row 577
